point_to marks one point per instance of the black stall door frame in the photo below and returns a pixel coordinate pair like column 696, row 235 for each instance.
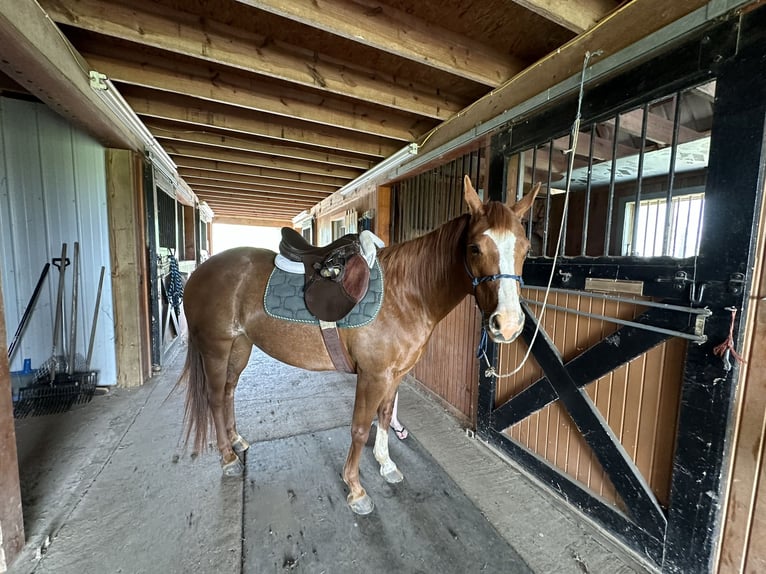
column 683, row 537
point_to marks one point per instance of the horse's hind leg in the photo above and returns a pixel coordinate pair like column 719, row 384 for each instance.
column 216, row 360
column 388, row 469
column 238, row 359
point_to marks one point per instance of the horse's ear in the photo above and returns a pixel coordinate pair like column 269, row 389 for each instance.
column 472, row 198
column 521, row 207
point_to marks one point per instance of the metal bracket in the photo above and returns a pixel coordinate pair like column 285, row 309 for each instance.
column 699, row 327
column 679, row 280
column 736, row 282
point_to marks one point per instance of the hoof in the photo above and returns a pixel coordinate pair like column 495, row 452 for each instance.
column 240, row 445
column 363, row 505
column 233, row 468
column 392, row 476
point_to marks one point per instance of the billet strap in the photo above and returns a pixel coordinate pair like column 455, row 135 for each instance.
column 335, row 347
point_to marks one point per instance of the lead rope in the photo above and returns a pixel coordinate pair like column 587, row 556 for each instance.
column 482, row 350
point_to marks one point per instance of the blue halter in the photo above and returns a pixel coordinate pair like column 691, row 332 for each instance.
column 476, row 281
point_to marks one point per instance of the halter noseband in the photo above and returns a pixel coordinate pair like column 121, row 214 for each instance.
column 476, row 281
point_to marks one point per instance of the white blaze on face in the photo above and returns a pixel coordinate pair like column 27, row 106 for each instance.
column 508, row 305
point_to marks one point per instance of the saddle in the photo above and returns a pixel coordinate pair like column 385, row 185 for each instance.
column 336, row 276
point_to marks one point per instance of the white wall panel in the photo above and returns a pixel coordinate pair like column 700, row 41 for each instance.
column 52, row 191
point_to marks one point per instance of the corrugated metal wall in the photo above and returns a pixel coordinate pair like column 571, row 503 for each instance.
column 52, row 191
column 639, row 400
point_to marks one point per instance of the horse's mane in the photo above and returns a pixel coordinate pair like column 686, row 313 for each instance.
column 429, row 259
column 426, row 259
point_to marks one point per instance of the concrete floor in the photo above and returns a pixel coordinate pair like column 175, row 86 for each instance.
column 109, row 488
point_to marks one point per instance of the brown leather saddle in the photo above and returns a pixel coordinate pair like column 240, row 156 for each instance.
column 336, row 275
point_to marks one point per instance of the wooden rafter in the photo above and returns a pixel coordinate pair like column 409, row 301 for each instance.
column 574, row 15
column 167, row 132
column 288, row 131
column 222, row 85
column 248, row 158
column 399, row 33
column 214, row 42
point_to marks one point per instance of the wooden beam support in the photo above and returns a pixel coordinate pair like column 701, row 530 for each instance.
column 253, row 221
column 248, row 144
column 123, row 183
column 277, row 174
column 577, row 15
column 221, row 178
column 396, row 32
column 250, row 158
column 246, row 194
column 11, row 518
column 183, row 33
column 628, row 24
column 250, row 190
column 189, row 111
column 226, row 86
column 42, row 60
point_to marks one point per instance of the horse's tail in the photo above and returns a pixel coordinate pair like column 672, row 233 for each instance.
column 197, row 415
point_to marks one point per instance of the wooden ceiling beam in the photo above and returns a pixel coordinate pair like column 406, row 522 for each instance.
column 201, row 175
column 396, row 32
column 252, row 145
column 251, row 221
column 249, row 158
column 230, row 118
column 240, row 202
column 249, row 190
column 249, row 204
column 38, row 58
column 184, row 33
column 574, row 15
column 627, row 24
column 658, row 129
column 276, row 174
column 223, row 85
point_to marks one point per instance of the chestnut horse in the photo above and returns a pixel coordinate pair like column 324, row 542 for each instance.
column 481, row 253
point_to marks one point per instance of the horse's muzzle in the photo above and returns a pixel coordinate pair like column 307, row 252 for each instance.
column 505, row 327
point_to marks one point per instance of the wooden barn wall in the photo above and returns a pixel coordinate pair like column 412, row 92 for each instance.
column 638, row 400
column 448, row 366
column 53, row 191
column 745, row 523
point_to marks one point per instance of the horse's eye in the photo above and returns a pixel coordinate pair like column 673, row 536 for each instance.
column 474, row 249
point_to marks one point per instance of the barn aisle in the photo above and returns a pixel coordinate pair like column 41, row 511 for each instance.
column 116, row 491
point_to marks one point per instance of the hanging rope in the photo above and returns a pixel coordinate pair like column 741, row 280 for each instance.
column 726, row 349
column 490, row 371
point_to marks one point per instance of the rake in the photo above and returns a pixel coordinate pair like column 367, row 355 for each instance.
column 63, row 380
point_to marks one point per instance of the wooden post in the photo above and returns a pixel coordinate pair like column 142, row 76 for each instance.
column 11, row 519
column 383, row 223
column 123, row 194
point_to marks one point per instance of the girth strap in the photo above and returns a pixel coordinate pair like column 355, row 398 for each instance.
column 335, row 347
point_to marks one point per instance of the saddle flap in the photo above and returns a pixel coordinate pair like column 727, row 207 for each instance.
column 330, row 296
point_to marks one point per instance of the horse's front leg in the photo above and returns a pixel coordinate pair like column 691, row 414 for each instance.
column 388, row 469
column 369, row 394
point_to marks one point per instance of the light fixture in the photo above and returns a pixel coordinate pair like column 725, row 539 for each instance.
column 104, row 87
column 387, row 164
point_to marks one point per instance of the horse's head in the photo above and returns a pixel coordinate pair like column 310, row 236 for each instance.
column 496, row 246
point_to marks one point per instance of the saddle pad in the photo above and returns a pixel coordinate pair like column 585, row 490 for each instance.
column 284, row 300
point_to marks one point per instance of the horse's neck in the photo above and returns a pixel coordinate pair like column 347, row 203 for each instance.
column 429, row 272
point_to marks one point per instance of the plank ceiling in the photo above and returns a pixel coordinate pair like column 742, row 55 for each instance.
column 268, row 106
